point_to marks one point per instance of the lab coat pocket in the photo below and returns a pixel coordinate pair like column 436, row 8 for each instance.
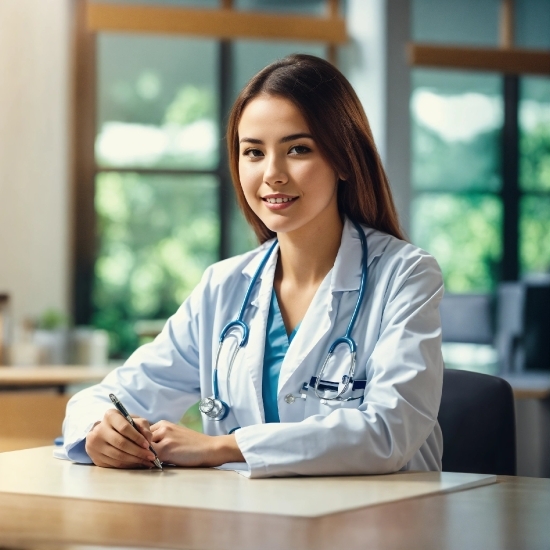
column 314, row 405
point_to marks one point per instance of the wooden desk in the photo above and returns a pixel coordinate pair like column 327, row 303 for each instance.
column 50, row 376
column 510, row 514
column 32, row 418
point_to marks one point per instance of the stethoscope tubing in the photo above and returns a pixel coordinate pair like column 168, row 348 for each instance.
column 342, row 340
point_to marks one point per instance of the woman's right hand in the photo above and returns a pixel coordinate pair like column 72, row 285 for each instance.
column 115, row 443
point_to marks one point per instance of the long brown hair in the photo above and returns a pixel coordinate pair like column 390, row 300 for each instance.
column 338, row 123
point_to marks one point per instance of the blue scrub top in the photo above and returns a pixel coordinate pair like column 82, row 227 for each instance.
column 276, row 346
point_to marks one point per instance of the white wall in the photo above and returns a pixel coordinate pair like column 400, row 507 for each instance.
column 34, row 154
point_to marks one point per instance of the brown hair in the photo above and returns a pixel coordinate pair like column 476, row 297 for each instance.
column 338, row 123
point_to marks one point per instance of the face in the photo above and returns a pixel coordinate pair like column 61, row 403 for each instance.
column 286, row 181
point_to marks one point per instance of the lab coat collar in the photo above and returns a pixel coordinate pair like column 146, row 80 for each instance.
column 251, row 267
column 346, row 273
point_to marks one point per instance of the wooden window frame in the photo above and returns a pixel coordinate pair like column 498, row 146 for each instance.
column 511, row 62
column 224, row 24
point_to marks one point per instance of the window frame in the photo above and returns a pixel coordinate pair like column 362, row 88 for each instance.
column 90, row 19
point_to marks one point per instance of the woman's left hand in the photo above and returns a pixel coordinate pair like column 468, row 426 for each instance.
column 181, row 446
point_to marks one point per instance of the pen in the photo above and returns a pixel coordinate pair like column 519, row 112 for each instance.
column 122, row 410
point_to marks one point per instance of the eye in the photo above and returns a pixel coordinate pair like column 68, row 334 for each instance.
column 253, row 153
column 299, row 150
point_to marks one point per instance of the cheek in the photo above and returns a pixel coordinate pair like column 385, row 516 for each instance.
column 249, row 180
column 319, row 179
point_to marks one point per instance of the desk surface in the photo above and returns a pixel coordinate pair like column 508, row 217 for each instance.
column 36, row 472
column 50, row 376
column 510, row 514
column 530, row 385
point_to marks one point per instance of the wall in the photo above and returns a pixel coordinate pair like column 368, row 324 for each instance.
column 34, row 154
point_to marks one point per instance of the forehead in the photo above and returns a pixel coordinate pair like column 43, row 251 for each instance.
column 271, row 114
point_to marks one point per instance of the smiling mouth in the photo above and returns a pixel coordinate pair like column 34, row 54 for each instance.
column 279, row 200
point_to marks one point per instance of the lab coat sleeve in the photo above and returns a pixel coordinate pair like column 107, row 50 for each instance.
column 401, row 402
column 160, row 381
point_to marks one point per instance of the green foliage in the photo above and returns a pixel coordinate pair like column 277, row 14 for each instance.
column 158, row 234
column 463, row 232
column 52, row 319
column 535, row 209
column 192, row 418
column 535, row 159
column 189, row 105
column 534, row 234
column 455, row 165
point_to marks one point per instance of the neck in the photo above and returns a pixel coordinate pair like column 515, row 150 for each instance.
column 308, row 254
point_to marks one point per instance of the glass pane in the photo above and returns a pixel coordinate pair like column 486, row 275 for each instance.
column 534, row 121
column 534, row 235
column 157, row 234
column 250, row 56
column 456, row 123
column 316, row 7
column 448, row 21
column 157, row 102
column 532, row 20
column 463, row 233
column 181, row 3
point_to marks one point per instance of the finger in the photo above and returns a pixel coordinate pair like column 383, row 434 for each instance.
column 123, row 427
column 144, row 428
column 113, row 458
column 161, row 429
column 127, row 455
column 120, row 442
column 129, row 459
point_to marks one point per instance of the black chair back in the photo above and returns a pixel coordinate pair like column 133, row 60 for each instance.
column 478, row 423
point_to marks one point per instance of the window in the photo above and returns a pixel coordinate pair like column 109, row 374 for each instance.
column 457, row 210
column 534, row 170
column 163, row 207
column 482, row 217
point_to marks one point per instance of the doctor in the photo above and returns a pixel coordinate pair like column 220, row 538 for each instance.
column 333, row 274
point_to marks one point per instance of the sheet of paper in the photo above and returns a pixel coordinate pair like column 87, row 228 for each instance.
column 36, row 472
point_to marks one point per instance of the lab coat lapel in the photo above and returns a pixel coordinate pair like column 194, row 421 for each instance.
column 250, row 364
column 345, row 276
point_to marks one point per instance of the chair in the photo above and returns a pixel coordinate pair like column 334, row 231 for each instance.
column 478, row 423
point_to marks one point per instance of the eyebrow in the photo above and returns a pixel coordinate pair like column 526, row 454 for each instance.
column 292, row 137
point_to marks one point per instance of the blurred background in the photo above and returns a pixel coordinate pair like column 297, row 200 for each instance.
column 115, row 193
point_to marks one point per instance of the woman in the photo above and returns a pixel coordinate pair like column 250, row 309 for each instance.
column 306, row 171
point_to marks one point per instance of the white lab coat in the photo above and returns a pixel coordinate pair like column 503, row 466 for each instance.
column 398, row 334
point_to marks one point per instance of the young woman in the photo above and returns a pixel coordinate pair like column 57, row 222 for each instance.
column 330, row 356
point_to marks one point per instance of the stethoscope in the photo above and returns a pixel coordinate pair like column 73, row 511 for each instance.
column 216, row 409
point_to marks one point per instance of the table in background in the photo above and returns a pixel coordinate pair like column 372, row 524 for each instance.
column 33, row 401
column 49, row 377
column 532, row 400
column 510, row 514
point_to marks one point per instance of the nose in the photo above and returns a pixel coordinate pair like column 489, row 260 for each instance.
column 275, row 171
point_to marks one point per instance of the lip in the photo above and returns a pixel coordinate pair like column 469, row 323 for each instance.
column 280, row 205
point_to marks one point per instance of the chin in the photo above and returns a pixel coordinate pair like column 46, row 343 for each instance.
column 281, row 226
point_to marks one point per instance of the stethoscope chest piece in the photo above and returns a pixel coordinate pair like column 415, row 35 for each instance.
column 326, row 391
column 213, row 409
